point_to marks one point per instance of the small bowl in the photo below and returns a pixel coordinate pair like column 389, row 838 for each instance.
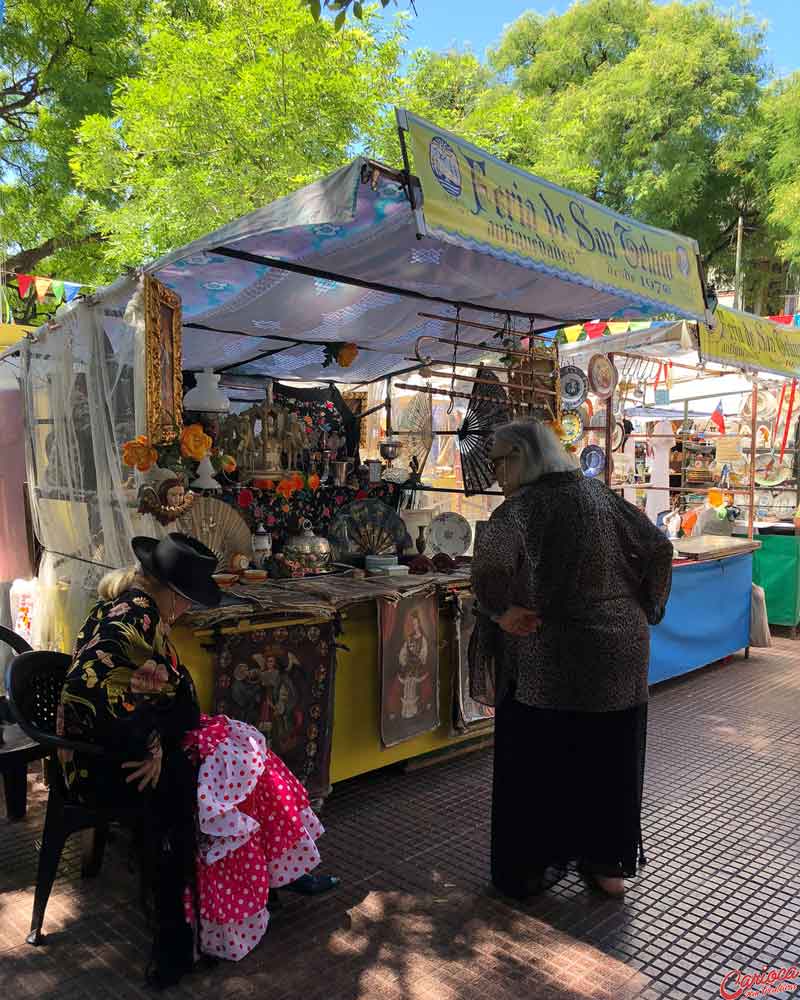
column 254, row 575
column 224, row 580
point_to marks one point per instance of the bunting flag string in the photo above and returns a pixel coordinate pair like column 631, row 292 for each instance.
column 62, row 291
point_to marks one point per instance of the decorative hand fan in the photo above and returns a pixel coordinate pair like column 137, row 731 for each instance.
column 369, row 527
column 219, row 527
column 415, row 433
column 487, row 409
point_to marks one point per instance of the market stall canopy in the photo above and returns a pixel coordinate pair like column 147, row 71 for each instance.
column 358, row 255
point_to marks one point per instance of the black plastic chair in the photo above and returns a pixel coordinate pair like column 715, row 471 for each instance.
column 16, row 754
column 34, row 681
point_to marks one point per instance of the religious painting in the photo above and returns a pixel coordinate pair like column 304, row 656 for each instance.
column 281, row 681
column 409, row 655
column 468, row 714
column 163, row 361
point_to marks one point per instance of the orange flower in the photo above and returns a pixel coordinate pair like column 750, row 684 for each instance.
column 314, row 482
column 228, row 463
column 195, row 443
column 297, row 481
column 285, row 488
column 263, row 484
column 347, row 355
column 139, row 454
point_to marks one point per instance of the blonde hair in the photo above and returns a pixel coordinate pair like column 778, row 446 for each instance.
column 119, row 580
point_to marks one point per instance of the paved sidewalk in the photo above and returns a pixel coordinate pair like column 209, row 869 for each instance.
column 413, row 918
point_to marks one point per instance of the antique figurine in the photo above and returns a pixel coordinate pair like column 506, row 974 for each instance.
column 166, row 502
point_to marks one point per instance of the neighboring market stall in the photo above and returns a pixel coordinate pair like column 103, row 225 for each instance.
column 347, row 352
column 717, row 399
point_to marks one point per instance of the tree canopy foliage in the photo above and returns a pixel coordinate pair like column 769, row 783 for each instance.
column 138, row 125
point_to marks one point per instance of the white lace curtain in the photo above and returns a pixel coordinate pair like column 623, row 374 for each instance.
column 81, row 379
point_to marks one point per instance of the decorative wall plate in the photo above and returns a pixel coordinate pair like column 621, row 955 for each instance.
column 603, row 376
column 593, row 461
column 450, row 533
column 574, row 387
column 572, row 426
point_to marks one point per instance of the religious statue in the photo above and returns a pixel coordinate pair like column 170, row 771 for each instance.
column 167, row 501
column 295, row 441
column 272, row 428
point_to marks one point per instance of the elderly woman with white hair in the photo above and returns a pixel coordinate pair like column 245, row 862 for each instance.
column 567, row 577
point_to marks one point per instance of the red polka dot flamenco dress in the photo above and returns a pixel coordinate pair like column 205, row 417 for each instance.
column 256, row 831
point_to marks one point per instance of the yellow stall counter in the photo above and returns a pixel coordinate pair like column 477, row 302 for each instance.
column 357, row 745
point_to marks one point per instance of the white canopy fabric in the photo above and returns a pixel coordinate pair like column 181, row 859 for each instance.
column 354, row 225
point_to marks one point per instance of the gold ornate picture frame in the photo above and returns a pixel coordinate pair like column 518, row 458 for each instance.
column 357, row 403
column 163, row 361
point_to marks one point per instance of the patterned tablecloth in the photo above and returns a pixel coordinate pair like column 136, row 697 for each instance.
column 321, row 597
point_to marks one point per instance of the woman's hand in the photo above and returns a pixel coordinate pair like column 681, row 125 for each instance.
column 148, row 770
column 519, row 621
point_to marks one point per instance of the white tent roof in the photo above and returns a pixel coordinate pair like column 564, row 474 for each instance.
column 261, row 293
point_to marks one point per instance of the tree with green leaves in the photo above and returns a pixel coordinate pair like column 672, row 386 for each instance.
column 651, row 109
column 225, row 116
column 60, row 60
column 782, row 139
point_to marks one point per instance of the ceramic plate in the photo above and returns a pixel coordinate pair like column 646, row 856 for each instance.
column 770, row 473
column 572, row 425
column 574, row 387
column 593, row 460
column 603, row 376
column 450, row 533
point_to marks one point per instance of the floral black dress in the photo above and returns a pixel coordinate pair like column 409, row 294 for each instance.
column 125, row 688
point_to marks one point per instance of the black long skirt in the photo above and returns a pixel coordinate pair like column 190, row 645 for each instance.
column 567, row 788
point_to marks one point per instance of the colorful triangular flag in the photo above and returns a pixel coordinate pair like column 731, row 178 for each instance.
column 71, row 289
column 572, row 333
column 42, row 287
column 58, row 290
column 24, row 282
column 594, row 330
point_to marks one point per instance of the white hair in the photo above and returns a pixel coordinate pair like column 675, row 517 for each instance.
column 539, row 447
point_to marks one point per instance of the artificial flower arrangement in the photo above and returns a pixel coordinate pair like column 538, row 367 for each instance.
column 341, row 354
column 181, row 455
column 168, row 499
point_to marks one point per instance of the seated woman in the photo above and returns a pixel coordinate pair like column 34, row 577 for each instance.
column 229, row 821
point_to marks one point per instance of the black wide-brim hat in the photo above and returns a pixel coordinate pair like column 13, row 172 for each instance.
column 183, row 564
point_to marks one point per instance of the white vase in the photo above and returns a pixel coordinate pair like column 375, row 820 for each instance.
column 205, row 476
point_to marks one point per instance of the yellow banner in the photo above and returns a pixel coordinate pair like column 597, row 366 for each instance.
column 473, row 199
column 751, row 342
column 10, row 333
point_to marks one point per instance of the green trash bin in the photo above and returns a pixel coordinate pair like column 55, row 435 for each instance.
column 776, row 568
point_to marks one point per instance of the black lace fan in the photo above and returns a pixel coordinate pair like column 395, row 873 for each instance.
column 487, row 409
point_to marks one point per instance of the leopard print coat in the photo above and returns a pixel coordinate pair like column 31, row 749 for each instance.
column 596, row 570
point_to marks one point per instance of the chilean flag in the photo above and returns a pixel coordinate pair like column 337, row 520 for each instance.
column 718, row 418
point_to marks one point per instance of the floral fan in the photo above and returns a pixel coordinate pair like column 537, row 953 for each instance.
column 369, row 527
column 415, row 433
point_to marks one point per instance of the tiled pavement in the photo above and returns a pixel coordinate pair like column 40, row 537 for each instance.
column 413, row 918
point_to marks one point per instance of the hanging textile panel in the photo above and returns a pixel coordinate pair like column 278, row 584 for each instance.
column 409, row 655
column 281, row 681
column 468, row 714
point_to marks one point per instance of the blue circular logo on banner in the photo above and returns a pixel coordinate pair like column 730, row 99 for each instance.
column 444, row 164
